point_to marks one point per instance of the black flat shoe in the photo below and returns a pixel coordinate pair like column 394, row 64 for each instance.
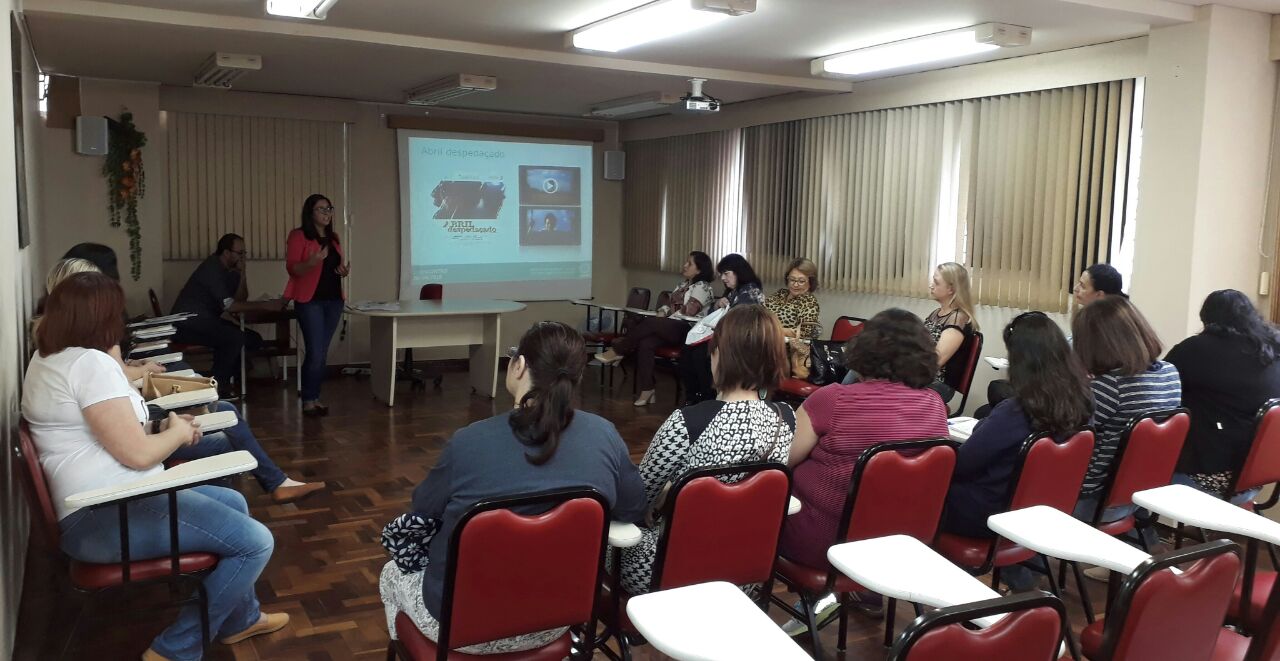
column 313, row 412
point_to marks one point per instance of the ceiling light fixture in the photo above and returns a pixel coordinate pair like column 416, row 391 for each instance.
column 316, row 10
column 449, row 88
column 947, row 45
column 634, row 105
column 653, row 21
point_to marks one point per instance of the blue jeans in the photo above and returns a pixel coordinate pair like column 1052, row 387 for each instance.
column 210, row 520
column 318, row 320
column 239, row 437
column 1236, row 499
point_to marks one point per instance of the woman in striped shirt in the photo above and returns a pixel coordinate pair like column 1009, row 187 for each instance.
column 1121, row 352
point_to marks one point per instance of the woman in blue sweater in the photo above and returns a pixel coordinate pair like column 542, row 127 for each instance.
column 1050, row 394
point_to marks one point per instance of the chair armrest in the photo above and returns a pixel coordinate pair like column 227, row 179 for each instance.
column 623, row 535
column 188, row 474
column 182, row 400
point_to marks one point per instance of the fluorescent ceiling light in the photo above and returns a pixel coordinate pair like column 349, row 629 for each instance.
column 656, row 20
column 919, row 50
column 314, row 9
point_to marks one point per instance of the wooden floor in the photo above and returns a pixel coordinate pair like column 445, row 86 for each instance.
column 324, row 572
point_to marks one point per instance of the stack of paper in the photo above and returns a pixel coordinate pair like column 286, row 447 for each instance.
column 960, row 429
column 148, row 347
column 376, row 306
column 154, row 332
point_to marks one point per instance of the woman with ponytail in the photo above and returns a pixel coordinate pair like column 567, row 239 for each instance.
column 543, row 444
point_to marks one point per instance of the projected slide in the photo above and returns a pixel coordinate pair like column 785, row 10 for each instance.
column 495, row 218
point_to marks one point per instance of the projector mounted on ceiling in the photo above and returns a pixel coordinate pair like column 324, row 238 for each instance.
column 222, row 69
column 449, row 88
column 696, row 101
column 634, row 105
column 730, row 7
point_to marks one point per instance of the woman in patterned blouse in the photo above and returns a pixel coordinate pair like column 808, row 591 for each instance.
column 691, row 299
column 749, row 359
column 795, row 306
column 742, row 287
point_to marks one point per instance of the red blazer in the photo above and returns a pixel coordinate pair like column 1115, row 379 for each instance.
column 298, row 248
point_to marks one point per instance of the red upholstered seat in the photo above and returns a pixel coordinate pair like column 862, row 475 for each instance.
column 1031, row 631
column 972, row 551
column 1263, row 583
column 668, row 353
column 490, row 593
column 797, row 387
column 812, row 579
column 1231, row 646
column 90, row 576
column 419, row 646
column 1162, row 615
column 1119, row 526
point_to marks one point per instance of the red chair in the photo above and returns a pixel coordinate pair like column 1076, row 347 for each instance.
column 720, row 523
column 1048, row 473
column 962, row 367
column 429, row 292
column 1162, row 615
column 896, row 489
column 1263, row 646
column 510, row 574
column 637, row 298
column 92, row 579
column 1031, row 631
column 1146, row 456
column 845, row 329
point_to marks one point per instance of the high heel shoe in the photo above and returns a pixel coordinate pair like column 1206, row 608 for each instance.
column 646, row 398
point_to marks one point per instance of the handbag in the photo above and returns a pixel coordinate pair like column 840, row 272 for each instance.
column 705, row 328
column 407, row 539
column 826, row 362
column 801, row 358
column 158, row 385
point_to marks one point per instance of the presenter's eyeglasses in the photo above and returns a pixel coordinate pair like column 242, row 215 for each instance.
column 324, row 210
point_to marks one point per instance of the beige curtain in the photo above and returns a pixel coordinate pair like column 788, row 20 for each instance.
column 688, row 197
column 1047, row 180
column 1025, row 189
column 247, row 175
column 859, row 194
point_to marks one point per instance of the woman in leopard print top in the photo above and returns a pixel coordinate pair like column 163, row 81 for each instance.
column 795, row 306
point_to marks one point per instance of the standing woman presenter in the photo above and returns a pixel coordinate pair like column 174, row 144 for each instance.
column 314, row 259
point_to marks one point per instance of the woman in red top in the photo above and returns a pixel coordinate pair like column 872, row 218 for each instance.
column 313, row 257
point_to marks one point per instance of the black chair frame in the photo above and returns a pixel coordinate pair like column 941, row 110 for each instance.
column 551, row 498
column 964, row 613
column 809, row 601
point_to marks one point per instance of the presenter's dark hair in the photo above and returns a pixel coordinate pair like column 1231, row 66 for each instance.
column 308, row 225
column 741, row 268
column 1106, row 279
column 101, row 256
column 227, row 242
column 706, row 272
column 555, row 355
column 1048, row 381
column 1229, row 313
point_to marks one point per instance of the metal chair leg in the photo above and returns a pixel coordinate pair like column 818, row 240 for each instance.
column 843, row 599
column 995, row 578
column 1085, row 600
column 810, row 612
column 391, row 650
column 890, row 615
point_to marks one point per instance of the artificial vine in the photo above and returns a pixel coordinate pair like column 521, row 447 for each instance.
column 126, row 182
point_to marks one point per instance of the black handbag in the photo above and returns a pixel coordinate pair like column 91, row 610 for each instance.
column 826, row 362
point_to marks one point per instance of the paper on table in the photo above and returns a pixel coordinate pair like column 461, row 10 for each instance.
column 376, row 306
column 961, row 429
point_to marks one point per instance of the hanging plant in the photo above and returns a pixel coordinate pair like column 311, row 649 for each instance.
column 126, row 182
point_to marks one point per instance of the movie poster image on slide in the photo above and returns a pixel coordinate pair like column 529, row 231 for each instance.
column 550, row 185
column 468, row 199
column 550, row 226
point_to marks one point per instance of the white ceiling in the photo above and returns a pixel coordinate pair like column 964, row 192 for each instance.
column 375, row 49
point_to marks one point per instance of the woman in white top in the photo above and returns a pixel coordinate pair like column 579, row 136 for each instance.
column 691, row 299
column 88, row 425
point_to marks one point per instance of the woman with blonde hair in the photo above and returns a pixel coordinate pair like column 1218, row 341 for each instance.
column 952, row 324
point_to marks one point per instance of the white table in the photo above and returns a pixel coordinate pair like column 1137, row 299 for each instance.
column 905, row 568
column 1059, row 535
column 451, row 322
column 710, row 622
column 1187, row 505
column 191, row 472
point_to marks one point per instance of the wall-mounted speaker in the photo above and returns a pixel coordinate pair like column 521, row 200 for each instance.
column 615, row 165
column 91, row 135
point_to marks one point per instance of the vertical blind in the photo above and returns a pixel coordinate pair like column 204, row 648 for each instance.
column 248, row 176
column 1025, row 189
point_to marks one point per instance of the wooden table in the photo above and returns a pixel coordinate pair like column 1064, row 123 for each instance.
column 475, row 323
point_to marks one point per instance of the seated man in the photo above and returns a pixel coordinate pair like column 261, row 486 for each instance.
column 218, row 287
